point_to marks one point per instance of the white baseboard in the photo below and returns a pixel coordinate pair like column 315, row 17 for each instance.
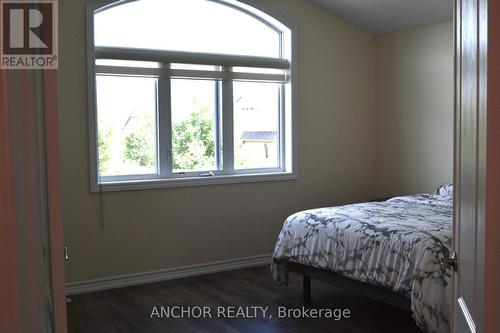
column 128, row 280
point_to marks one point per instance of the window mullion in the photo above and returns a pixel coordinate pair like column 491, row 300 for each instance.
column 227, row 125
column 282, row 128
column 218, row 126
column 164, row 127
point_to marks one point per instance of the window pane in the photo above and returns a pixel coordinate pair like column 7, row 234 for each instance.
column 185, row 25
column 126, row 114
column 194, row 144
column 256, row 125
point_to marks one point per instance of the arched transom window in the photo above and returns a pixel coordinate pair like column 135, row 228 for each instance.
column 186, row 92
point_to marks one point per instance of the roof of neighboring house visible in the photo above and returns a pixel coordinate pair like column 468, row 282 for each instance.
column 259, row 136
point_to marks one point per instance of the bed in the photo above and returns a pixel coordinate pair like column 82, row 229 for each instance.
column 393, row 247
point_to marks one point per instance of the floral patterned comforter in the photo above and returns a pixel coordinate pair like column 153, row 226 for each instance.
column 395, row 244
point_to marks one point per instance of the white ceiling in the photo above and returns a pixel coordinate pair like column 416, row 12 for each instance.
column 381, row 16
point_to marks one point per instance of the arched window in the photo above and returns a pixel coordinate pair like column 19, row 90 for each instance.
column 187, row 92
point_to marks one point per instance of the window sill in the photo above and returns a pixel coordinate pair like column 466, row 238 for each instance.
column 193, row 181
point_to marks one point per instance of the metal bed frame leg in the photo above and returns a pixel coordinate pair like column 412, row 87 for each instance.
column 306, row 285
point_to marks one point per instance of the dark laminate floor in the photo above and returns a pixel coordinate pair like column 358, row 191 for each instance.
column 129, row 309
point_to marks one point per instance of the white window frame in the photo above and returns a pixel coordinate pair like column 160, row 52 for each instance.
column 287, row 169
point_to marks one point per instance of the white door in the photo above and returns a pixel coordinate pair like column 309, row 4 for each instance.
column 476, row 278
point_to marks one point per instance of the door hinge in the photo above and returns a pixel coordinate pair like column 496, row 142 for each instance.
column 449, row 262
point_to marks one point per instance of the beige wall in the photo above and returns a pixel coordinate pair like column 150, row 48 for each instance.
column 414, row 117
column 155, row 229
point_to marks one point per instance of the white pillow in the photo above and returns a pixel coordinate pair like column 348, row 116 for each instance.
column 445, row 189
